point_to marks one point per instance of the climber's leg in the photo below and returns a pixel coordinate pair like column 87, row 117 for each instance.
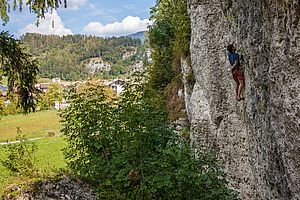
column 240, row 89
column 238, row 77
column 241, row 79
column 237, row 90
column 235, row 78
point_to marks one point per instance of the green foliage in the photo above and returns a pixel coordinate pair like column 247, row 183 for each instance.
column 169, row 38
column 20, row 69
column 11, row 108
column 48, row 159
column 67, row 57
column 20, row 157
column 39, row 7
column 174, row 13
column 53, row 94
column 161, row 72
column 2, row 105
column 129, row 151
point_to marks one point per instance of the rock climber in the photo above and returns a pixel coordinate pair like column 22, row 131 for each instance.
column 237, row 74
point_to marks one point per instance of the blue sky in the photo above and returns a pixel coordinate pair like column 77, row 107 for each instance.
column 91, row 17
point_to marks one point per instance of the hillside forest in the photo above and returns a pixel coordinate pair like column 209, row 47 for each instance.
column 69, row 57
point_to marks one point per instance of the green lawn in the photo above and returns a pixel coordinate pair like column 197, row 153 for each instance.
column 49, row 158
column 33, row 125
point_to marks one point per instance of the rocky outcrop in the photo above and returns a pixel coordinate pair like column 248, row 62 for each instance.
column 63, row 188
column 98, row 65
column 257, row 139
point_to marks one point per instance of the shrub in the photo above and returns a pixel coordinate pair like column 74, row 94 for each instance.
column 20, row 156
column 128, row 150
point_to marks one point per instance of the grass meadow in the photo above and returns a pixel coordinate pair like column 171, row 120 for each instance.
column 49, row 157
column 33, row 125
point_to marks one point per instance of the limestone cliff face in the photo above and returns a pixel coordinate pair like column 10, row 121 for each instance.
column 258, row 139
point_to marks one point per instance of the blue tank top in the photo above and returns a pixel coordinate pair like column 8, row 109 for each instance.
column 233, row 57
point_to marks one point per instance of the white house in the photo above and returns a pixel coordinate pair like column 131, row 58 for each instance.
column 61, row 105
column 56, row 80
column 117, row 86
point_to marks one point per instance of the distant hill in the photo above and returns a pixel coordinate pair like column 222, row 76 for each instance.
column 69, row 57
column 139, row 35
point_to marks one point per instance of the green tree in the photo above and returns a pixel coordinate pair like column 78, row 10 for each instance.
column 53, row 94
column 169, row 38
column 21, row 70
column 12, row 107
column 161, row 72
column 19, row 66
column 174, row 12
column 1, row 104
column 39, row 7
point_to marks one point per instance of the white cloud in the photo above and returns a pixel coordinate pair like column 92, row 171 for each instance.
column 127, row 26
column 76, row 4
column 92, row 6
column 50, row 25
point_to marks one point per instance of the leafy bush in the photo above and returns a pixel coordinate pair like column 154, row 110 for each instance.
column 12, row 107
column 53, row 94
column 20, row 157
column 129, row 151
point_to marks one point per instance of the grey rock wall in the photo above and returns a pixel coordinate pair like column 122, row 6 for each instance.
column 257, row 139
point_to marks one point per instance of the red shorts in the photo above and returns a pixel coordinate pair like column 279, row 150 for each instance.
column 237, row 74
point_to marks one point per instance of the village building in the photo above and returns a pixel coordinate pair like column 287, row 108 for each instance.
column 42, row 86
column 61, row 105
column 117, row 86
column 56, row 80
